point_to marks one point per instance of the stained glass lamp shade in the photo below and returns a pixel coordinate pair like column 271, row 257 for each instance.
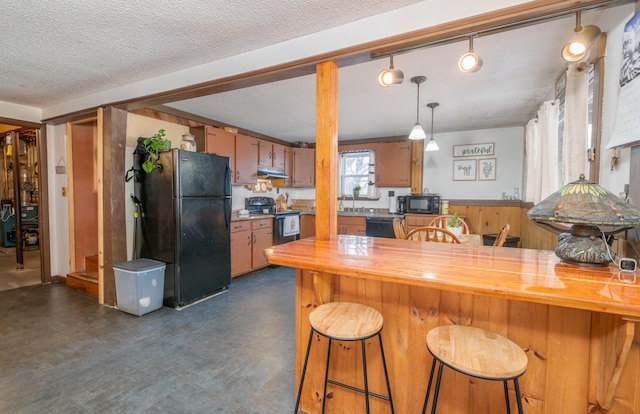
column 588, row 212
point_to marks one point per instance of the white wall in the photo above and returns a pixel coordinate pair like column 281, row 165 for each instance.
column 509, row 150
column 58, row 205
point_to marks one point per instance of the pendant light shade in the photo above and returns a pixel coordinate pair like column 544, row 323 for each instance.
column 417, row 132
column 581, row 41
column 470, row 62
column 391, row 76
column 432, row 145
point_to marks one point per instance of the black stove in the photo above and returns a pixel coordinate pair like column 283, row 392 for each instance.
column 286, row 224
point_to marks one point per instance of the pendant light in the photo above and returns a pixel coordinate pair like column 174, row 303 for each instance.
column 432, row 145
column 581, row 41
column 417, row 132
column 391, row 76
column 470, row 62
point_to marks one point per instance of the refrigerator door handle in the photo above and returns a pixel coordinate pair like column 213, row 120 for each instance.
column 227, row 181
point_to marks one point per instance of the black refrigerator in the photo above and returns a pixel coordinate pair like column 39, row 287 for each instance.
column 184, row 221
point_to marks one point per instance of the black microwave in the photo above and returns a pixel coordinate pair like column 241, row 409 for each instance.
column 423, row 203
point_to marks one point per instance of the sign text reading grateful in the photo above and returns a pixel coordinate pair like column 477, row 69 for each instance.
column 473, row 150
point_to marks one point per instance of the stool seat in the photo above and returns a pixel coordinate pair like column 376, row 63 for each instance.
column 346, row 321
column 477, row 352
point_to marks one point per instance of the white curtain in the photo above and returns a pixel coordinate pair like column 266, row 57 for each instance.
column 574, row 140
column 541, row 144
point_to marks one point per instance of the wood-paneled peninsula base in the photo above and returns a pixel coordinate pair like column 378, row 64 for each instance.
column 576, row 324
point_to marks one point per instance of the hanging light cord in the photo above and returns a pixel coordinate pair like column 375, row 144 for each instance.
column 418, row 106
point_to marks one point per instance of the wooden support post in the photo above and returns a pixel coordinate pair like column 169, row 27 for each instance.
column 326, row 150
column 417, row 157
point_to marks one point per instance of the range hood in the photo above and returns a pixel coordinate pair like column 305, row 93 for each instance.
column 271, row 172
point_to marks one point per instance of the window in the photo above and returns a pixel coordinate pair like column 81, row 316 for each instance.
column 354, row 170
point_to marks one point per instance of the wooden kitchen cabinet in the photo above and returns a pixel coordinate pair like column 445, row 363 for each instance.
column 304, row 167
column 307, row 225
column 249, row 238
column 271, row 154
column 246, row 159
column 216, row 141
column 393, row 164
column 241, row 244
column 356, row 226
column 288, row 166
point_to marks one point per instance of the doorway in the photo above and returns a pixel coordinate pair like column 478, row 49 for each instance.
column 20, row 212
column 82, row 192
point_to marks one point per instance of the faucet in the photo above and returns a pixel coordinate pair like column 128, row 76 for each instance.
column 353, row 201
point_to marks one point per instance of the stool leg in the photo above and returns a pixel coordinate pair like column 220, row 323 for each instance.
column 426, row 399
column 364, row 370
column 304, row 371
column 506, row 396
column 326, row 376
column 386, row 375
column 437, row 390
column 518, row 399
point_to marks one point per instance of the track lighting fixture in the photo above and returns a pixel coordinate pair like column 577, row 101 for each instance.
column 391, row 76
column 432, row 145
column 470, row 62
column 581, row 41
column 417, row 132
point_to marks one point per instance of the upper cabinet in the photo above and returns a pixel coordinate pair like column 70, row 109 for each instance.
column 288, row 166
column 271, row 155
column 247, row 149
column 216, row 141
column 393, row 164
column 304, row 167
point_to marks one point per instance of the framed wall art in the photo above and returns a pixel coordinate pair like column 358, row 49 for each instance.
column 474, row 150
column 487, row 169
column 464, row 170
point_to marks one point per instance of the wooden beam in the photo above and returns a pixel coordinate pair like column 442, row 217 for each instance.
column 112, row 237
column 417, row 157
column 326, row 150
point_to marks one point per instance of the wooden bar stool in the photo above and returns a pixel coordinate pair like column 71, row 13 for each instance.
column 478, row 353
column 344, row 321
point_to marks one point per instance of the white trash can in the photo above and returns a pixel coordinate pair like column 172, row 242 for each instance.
column 139, row 285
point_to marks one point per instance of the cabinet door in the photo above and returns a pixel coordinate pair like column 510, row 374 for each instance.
column 278, row 156
column 352, row 225
column 216, row 141
column 241, row 245
column 246, row 159
column 304, row 167
column 288, row 166
column 265, row 153
column 393, row 164
column 308, row 226
column 262, row 239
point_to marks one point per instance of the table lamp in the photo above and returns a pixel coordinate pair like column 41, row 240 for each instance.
column 588, row 212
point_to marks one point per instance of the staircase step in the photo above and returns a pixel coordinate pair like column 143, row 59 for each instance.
column 91, row 263
column 84, row 281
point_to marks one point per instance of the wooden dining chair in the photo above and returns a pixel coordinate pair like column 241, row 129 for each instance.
column 399, row 229
column 502, row 236
column 432, row 234
column 441, row 221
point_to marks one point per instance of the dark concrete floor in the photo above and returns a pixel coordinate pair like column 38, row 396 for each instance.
column 234, row 353
column 11, row 277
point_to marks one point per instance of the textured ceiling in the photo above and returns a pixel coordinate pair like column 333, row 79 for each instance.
column 57, row 51
column 54, row 51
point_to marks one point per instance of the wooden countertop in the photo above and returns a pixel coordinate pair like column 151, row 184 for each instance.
column 519, row 274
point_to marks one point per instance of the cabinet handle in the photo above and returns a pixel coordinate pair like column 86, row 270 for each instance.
column 237, row 175
column 271, row 155
column 378, row 177
column 249, row 240
column 254, row 238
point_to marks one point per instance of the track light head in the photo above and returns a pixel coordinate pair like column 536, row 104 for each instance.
column 391, row 76
column 581, row 42
column 470, row 62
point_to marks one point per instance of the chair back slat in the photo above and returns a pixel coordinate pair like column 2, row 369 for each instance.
column 432, row 234
column 441, row 221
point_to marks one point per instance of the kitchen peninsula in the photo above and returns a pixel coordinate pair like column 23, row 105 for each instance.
column 576, row 324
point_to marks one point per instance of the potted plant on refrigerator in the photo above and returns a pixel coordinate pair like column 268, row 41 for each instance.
column 154, row 145
column 453, row 225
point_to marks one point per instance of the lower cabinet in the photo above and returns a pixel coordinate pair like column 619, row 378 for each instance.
column 413, row 221
column 307, row 225
column 249, row 238
column 356, row 226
